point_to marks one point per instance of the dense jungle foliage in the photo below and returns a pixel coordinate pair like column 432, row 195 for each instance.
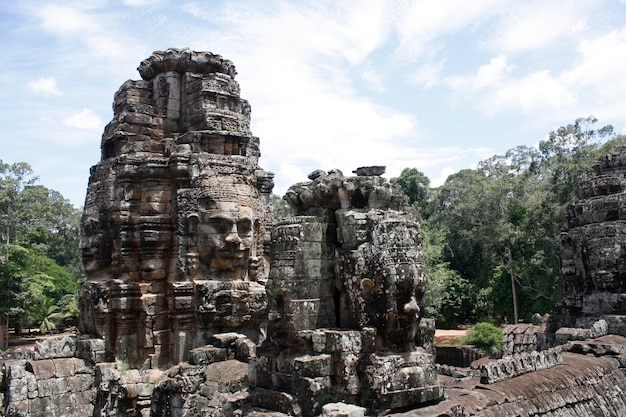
column 486, row 231
column 40, row 267
column 494, row 228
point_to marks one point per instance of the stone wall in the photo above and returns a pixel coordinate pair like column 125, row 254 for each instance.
column 50, row 382
column 458, row 356
column 518, row 338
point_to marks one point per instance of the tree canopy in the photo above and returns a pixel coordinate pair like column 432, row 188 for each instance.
column 40, row 262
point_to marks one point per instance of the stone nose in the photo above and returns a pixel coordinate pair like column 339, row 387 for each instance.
column 232, row 237
column 411, row 307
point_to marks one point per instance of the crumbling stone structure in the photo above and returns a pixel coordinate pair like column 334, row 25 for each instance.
column 345, row 294
column 175, row 219
column 50, row 381
column 593, row 250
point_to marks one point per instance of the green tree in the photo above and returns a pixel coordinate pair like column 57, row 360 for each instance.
column 485, row 336
column 449, row 296
column 13, row 179
column 501, row 222
column 13, row 282
column 27, row 279
column 280, row 208
column 416, row 186
column 47, row 314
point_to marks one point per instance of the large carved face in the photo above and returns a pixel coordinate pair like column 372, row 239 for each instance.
column 392, row 282
column 409, row 300
column 226, row 237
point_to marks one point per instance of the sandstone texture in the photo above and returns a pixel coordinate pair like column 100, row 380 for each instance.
column 590, row 381
column 346, row 297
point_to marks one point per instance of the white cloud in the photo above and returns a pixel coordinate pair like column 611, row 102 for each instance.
column 536, row 92
column 296, row 68
column 533, row 25
column 63, row 19
column 494, row 88
column 93, row 34
column 602, row 63
column 493, row 73
column 45, row 85
column 85, row 119
column 138, row 3
column 443, row 176
column 422, row 24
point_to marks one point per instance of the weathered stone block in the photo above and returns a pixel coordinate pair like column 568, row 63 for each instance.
column 313, row 365
column 276, row 400
column 207, row 354
column 342, row 410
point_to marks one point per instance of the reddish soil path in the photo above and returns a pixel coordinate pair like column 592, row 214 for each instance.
column 449, row 336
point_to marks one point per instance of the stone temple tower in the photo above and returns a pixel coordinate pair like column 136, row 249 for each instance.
column 175, row 219
column 593, row 249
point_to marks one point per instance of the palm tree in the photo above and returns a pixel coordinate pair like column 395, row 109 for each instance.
column 47, row 313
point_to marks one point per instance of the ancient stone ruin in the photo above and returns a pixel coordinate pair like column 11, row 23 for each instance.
column 175, row 219
column 176, row 233
column 196, row 304
column 593, row 250
column 346, row 295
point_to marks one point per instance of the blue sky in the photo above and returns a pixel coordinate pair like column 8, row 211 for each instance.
column 435, row 85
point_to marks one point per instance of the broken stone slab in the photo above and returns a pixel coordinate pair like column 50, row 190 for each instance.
column 342, row 410
column 566, row 334
column 207, row 354
column 370, row 171
column 275, row 400
column 520, row 364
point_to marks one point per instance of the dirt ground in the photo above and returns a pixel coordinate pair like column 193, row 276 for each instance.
column 448, row 336
column 27, row 340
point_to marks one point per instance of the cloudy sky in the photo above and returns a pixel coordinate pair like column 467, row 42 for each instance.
column 435, row 85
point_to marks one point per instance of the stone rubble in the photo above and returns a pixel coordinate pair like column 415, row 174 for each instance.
column 519, row 364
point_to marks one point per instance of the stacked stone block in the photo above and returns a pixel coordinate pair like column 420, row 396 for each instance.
column 519, row 364
column 345, row 294
column 593, row 255
column 518, row 338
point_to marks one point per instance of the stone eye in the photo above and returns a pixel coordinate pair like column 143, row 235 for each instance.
column 244, row 226
column 221, row 225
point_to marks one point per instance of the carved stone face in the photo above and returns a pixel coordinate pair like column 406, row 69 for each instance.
column 226, row 238
column 410, row 288
column 383, row 278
